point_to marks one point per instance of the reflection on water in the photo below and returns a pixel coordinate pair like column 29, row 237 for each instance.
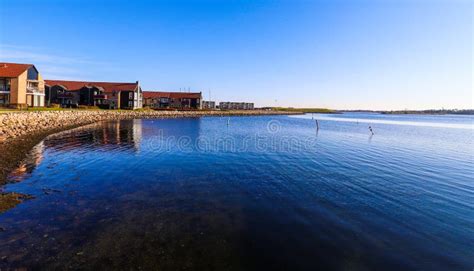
column 26, row 166
column 103, row 136
column 259, row 193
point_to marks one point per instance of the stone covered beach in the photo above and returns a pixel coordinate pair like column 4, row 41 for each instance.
column 16, row 124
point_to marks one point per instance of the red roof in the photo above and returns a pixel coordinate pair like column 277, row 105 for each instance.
column 13, row 69
column 107, row 86
column 172, row 95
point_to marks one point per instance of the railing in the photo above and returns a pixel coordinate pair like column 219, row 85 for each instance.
column 32, row 87
column 33, row 90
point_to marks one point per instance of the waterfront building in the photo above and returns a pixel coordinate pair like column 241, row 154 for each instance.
column 110, row 95
column 21, row 86
column 172, row 100
column 208, row 105
column 235, row 106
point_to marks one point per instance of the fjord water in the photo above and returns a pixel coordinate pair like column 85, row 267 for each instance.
column 248, row 193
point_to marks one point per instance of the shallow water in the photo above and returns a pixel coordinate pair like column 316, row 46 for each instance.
column 248, row 193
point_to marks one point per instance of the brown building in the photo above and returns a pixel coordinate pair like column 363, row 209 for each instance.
column 176, row 100
column 21, row 86
column 102, row 94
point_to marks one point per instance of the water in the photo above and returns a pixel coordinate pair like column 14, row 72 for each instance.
column 258, row 193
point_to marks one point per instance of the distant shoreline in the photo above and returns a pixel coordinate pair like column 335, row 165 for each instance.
column 414, row 112
column 385, row 112
column 304, row 110
column 467, row 112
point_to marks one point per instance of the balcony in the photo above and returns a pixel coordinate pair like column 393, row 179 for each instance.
column 32, row 87
column 32, row 90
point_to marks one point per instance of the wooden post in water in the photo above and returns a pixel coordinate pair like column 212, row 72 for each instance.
column 370, row 129
column 317, row 125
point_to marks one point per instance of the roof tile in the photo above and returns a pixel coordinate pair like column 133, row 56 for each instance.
column 107, row 86
column 13, row 69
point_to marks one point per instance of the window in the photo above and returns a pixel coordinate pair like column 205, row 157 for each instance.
column 32, row 74
column 4, row 99
column 4, row 84
column 130, row 95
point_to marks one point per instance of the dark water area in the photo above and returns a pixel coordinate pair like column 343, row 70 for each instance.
column 248, row 193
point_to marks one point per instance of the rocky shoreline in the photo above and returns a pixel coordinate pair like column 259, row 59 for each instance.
column 17, row 124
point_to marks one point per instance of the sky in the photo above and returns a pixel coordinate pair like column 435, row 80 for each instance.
column 353, row 54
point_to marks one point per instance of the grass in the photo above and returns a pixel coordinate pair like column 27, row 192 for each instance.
column 32, row 109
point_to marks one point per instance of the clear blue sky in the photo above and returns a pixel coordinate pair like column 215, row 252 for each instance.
column 338, row 54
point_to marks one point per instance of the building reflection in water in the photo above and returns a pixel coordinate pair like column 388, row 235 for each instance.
column 111, row 135
column 33, row 159
column 120, row 135
column 117, row 136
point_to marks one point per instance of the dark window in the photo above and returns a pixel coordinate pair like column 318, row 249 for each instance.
column 4, row 84
column 4, row 99
column 32, row 74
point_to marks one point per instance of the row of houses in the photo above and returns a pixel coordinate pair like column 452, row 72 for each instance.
column 22, row 86
column 235, row 106
column 227, row 105
column 177, row 100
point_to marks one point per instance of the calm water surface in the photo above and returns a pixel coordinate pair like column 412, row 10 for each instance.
column 248, row 193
